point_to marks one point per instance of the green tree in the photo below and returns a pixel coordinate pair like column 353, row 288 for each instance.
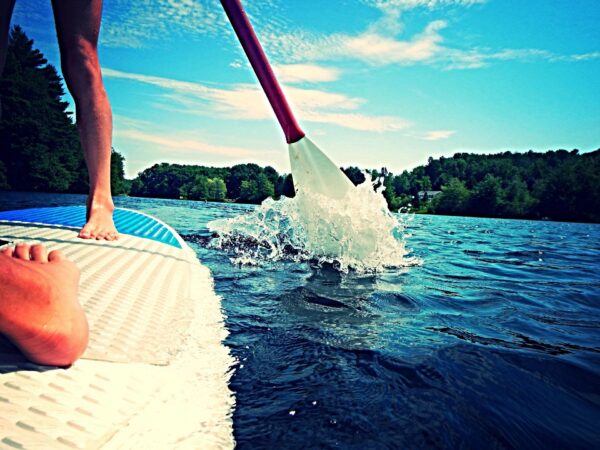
column 217, row 189
column 196, row 189
column 356, row 175
column 39, row 144
column 118, row 183
column 285, row 186
column 265, row 187
column 487, row 197
column 255, row 191
column 237, row 175
column 3, row 178
column 250, row 183
column 453, row 199
column 248, row 191
column 518, row 201
column 271, row 174
column 402, row 184
column 424, row 183
column 390, row 193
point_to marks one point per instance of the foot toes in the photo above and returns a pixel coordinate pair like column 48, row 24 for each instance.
column 99, row 234
column 110, row 236
column 7, row 251
column 22, row 251
column 86, row 233
column 56, row 256
column 38, row 253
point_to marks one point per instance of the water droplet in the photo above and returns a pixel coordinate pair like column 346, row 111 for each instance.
column 292, row 413
column 358, row 232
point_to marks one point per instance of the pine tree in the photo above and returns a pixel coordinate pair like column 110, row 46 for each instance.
column 39, row 143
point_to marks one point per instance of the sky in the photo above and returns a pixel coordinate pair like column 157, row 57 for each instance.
column 374, row 83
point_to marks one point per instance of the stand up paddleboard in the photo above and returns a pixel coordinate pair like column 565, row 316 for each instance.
column 155, row 372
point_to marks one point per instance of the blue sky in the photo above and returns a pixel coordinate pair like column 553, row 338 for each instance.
column 373, row 82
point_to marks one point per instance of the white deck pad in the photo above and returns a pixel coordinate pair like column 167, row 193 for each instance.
column 155, row 374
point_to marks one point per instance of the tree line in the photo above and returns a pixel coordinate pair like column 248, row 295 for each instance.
column 558, row 185
column 244, row 183
column 40, row 151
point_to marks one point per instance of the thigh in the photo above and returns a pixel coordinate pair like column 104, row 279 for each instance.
column 77, row 21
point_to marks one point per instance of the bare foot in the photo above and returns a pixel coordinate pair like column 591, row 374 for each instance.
column 39, row 310
column 100, row 223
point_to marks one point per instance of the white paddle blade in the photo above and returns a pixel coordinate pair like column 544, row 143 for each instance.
column 313, row 171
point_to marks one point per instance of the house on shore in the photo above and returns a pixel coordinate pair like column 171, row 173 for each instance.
column 428, row 195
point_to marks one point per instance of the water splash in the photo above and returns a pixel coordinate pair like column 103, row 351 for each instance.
column 356, row 232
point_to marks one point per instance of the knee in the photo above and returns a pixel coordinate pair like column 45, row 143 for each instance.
column 80, row 66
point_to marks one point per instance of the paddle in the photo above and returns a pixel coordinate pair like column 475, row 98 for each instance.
column 312, row 169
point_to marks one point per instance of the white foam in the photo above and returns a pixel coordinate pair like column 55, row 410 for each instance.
column 356, row 231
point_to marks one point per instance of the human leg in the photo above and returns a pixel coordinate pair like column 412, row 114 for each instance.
column 39, row 309
column 77, row 28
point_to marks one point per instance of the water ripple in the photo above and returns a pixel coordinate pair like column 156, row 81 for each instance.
column 493, row 341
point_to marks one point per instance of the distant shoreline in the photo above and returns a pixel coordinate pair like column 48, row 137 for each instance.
column 229, row 202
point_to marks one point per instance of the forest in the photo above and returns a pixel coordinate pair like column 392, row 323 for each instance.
column 243, row 183
column 39, row 143
column 40, row 151
column 558, row 185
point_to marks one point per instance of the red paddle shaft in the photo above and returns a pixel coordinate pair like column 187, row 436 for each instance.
column 262, row 69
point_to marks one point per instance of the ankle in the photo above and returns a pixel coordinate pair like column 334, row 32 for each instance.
column 97, row 201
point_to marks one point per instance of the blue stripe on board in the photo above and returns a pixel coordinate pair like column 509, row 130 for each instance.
column 127, row 222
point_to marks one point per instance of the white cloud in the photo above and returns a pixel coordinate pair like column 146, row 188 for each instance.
column 378, row 44
column 370, row 47
column 378, row 49
column 135, row 24
column 437, row 135
column 314, row 99
column 146, row 143
column 247, row 102
column 298, row 73
column 381, row 44
column 183, row 145
column 476, row 58
column 427, row 47
column 390, row 23
column 301, row 46
column 360, row 122
column 585, row 56
column 138, row 24
column 388, row 5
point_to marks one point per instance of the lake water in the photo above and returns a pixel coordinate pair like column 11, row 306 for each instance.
column 492, row 341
